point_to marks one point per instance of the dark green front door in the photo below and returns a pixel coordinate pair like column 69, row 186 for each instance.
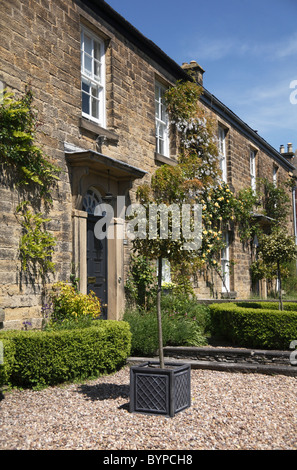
column 97, row 264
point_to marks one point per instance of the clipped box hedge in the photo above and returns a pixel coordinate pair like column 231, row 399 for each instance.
column 260, row 326
column 287, row 306
column 7, row 360
column 44, row 358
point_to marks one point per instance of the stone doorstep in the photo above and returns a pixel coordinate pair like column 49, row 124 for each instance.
column 278, row 360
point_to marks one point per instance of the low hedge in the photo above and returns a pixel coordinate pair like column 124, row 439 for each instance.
column 44, row 358
column 287, row 306
column 254, row 327
column 7, row 360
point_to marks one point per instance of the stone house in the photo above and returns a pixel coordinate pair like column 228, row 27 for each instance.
column 244, row 158
column 98, row 86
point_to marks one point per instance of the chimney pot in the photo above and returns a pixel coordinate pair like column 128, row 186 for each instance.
column 290, row 148
column 282, row 149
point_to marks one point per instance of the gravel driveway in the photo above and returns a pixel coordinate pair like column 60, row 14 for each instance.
column 229, row 411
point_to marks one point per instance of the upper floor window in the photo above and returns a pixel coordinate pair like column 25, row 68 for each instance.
column 253, row 169
column 222, row 153
column 274, row 176
column 93, row 77
column 162, row 122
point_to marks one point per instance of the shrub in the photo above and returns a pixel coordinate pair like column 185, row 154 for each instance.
column 251, row 325
column 69, row 305
column 7, row 360
column 183, row 324
column 187, row 307
column 51, row 357
column 288, row 306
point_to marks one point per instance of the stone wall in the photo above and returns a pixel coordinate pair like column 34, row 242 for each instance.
column 229, row 355
column 40, row 47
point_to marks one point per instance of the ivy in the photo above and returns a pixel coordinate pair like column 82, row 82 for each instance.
column 33, row 174
column 141, row 282
column 275, row 200
column 18, row 153
column 36, row 243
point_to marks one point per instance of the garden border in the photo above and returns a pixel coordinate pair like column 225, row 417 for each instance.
column 228, row 359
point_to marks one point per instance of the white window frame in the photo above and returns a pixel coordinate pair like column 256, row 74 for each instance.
column 225, row 263
column 253, row 169
column 274, row 176
column 222, row 152
column 93, row 84
column 162, row 121
column 166, row 271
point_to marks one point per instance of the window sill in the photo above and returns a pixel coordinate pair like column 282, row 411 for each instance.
column 98, row 131
column 162, row 159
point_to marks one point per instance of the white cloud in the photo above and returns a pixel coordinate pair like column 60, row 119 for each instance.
column 265, row 108
column 220, row 48
column 287, row 48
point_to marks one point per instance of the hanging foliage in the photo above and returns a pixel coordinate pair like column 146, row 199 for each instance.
column 32, row 173
column 18, row 153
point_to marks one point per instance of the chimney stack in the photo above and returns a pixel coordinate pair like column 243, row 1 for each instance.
column 194, row 69
column 289, row 154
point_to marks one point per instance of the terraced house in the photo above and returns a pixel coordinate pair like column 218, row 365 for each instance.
column 98, row 87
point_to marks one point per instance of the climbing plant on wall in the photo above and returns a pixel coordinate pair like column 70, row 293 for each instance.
column 26, row 168
column 196, row 179
column 276, row 247
column 18, row 152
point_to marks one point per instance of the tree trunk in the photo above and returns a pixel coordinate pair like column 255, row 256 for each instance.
column 161, row 352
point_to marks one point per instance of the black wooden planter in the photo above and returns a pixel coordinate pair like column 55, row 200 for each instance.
column 160, row 391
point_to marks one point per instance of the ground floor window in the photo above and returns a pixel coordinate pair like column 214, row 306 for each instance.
column 225, row 261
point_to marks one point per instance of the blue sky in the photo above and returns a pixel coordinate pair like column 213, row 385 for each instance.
column 248, row 49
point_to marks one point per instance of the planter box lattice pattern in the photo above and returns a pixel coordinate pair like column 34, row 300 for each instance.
column 160, row 391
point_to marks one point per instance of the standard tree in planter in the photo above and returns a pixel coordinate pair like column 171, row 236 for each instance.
column 174, row 208
column 187, row 206
column 173, row 201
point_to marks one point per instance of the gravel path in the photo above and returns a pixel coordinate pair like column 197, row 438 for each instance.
column 229, row 411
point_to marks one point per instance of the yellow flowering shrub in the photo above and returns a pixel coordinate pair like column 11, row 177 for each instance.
column 69, row 304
